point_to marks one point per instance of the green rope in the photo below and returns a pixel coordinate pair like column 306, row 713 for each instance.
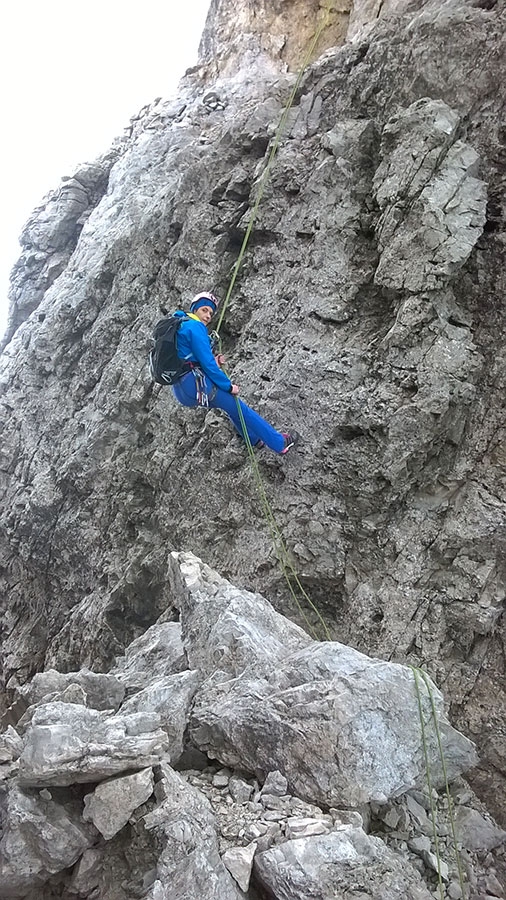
column 280, row 548
column 445, row 776
column 429, row 780
column 265, row 174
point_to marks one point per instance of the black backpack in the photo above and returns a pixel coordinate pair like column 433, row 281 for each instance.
column 165, row 367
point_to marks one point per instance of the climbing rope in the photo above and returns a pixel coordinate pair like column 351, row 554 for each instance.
column 280, row 548
column 429, row 782
column 417, row 673
column 272, row 155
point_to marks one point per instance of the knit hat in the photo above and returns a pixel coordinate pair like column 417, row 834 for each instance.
column 204, row 299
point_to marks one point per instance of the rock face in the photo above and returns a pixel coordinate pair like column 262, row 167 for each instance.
column 368, row 315
column 295, row 812
column 432, row 204
column 51, row 234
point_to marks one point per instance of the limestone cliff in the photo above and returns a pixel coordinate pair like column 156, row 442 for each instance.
column 368, row 315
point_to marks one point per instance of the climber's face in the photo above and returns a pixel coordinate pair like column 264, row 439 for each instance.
column 205, row 314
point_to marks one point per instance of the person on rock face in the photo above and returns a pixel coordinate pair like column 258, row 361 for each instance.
column 207, row 385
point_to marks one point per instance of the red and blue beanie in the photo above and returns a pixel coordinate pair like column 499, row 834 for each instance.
column 204, row 299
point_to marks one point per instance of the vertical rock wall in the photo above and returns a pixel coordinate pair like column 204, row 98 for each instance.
column 368, row 315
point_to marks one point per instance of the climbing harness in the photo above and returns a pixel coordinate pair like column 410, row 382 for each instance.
column 417, row 674
column 200, row 387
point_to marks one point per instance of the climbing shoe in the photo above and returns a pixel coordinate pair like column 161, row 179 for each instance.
column 291, row 439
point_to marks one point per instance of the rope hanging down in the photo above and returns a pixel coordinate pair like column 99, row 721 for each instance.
column 417, row 674
column 272, row 155
column 280, row 548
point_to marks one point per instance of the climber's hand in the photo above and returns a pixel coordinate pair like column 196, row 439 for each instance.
column 234, row 390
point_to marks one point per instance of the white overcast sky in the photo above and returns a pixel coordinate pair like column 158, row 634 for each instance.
column 71, row 76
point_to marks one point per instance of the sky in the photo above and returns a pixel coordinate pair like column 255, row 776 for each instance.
column 72, row 75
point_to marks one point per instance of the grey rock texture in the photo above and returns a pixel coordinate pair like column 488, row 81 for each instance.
column 85, row 876
column 280, row 705
column 323, row 866
column 103, row 623
column 228, row 629
column 476, row 832
column 368, row 315
column 170, row 699
column 51, row 234
column 365, row 13
column 190, row 865
column 159, row 649
column 144, row 829
column 11, row 745
column 67, row 743
column 432, row 204
column 101, row 691
column 39, row 837
column 112, row 803
column 239, row 863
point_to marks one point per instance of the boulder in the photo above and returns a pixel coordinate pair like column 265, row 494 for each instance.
column 225, row 628
column 158, row 650
column 40, row 837
column 101, row 691
column 239, row 862
column 299, row 827
column 11, row 745
column 476, row 831
column 337, row 865
column 239, row 789
column 66, row 744
column 112, row 803
column 274, row 699
column 86, row 874
column 275, row 784
column 168, row 697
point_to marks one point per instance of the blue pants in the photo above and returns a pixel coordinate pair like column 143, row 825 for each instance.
column 258, row 429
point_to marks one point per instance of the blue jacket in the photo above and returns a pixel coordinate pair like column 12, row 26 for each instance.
column 193, row 345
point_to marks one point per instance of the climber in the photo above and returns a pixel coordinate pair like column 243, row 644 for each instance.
column 205, row 384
